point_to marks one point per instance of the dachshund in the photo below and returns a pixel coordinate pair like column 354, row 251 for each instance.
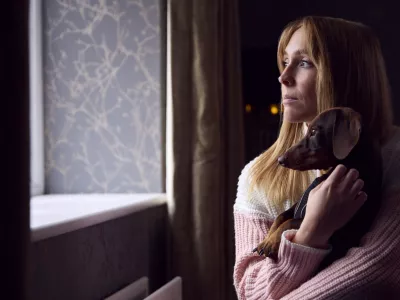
column 336, row 136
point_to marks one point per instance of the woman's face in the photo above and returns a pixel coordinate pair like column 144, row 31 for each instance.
column 298, row 81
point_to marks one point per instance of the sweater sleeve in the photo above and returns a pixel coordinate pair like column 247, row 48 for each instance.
column 257, row 277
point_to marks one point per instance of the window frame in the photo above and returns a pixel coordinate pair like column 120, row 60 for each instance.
column 36, row 99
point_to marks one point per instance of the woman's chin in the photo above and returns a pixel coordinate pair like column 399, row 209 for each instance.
column 292, row 118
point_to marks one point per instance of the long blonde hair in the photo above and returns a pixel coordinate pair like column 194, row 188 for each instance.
column 350, row 72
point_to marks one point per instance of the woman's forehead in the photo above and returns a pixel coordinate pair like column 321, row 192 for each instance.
column 297, row 44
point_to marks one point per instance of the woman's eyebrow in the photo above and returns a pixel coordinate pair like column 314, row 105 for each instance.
column 298, row 52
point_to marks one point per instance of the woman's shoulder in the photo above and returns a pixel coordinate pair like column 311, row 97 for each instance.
column 391, row 158
column 391, row 149
column 249, row 199
column 393, row 141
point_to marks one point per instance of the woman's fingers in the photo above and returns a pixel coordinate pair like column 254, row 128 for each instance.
column 349, row 179
column 357, row 187
column 337, row 175
column 362, row 197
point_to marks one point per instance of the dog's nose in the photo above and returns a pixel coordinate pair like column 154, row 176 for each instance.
column 282, row 160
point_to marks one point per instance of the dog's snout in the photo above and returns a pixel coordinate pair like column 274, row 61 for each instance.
column 282, row 160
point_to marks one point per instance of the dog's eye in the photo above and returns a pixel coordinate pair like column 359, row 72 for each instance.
column 313, row 132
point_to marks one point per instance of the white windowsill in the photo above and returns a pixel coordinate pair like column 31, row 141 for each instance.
column 52, row 215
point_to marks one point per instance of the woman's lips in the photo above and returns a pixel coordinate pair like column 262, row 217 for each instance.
column 289, row 101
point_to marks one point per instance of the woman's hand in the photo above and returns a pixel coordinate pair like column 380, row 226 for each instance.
column 330, row 206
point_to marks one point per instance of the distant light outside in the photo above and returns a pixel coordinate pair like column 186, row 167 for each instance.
column 248, row 108
column 274, row 109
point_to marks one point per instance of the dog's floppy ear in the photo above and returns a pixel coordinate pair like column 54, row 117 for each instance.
column 346, row 132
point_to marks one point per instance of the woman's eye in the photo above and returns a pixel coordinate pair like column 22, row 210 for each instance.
column 302, row 63
column 305, row 63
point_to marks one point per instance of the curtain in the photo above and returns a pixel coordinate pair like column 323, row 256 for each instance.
column 205, row 143
column 14, row 136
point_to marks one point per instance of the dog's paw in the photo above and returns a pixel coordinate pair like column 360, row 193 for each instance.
column 268, row 247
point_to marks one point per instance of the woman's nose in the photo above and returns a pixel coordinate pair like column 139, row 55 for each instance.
column 286, row 79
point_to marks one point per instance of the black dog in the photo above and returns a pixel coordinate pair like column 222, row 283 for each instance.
column 334, row 137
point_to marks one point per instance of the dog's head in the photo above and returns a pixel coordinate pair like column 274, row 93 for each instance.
column 330, row 137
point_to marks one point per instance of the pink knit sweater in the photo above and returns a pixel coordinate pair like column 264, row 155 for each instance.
column 371, row 271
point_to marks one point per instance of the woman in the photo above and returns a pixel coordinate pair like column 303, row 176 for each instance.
column 324, row 62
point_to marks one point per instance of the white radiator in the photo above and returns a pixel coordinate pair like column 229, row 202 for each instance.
column 171, row 291
column 135, row 291
column 139, row 290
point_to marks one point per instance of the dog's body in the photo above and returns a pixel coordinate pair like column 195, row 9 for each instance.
column 367, row 160
column 334, row 137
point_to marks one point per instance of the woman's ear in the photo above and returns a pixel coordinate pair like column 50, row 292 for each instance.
column 346, row 132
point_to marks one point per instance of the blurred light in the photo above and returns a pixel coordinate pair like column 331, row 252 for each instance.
column 248, row 108
column 274, row 109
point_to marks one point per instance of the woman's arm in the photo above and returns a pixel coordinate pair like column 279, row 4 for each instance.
column 257, row 277
column 371, row 270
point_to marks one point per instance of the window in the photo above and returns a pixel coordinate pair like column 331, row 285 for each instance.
column 96, row 93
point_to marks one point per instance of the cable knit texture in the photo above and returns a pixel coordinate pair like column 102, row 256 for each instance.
column 371, row 271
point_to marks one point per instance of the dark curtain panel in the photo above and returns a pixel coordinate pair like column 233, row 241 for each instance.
column 14, row 128
column 205, row 143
